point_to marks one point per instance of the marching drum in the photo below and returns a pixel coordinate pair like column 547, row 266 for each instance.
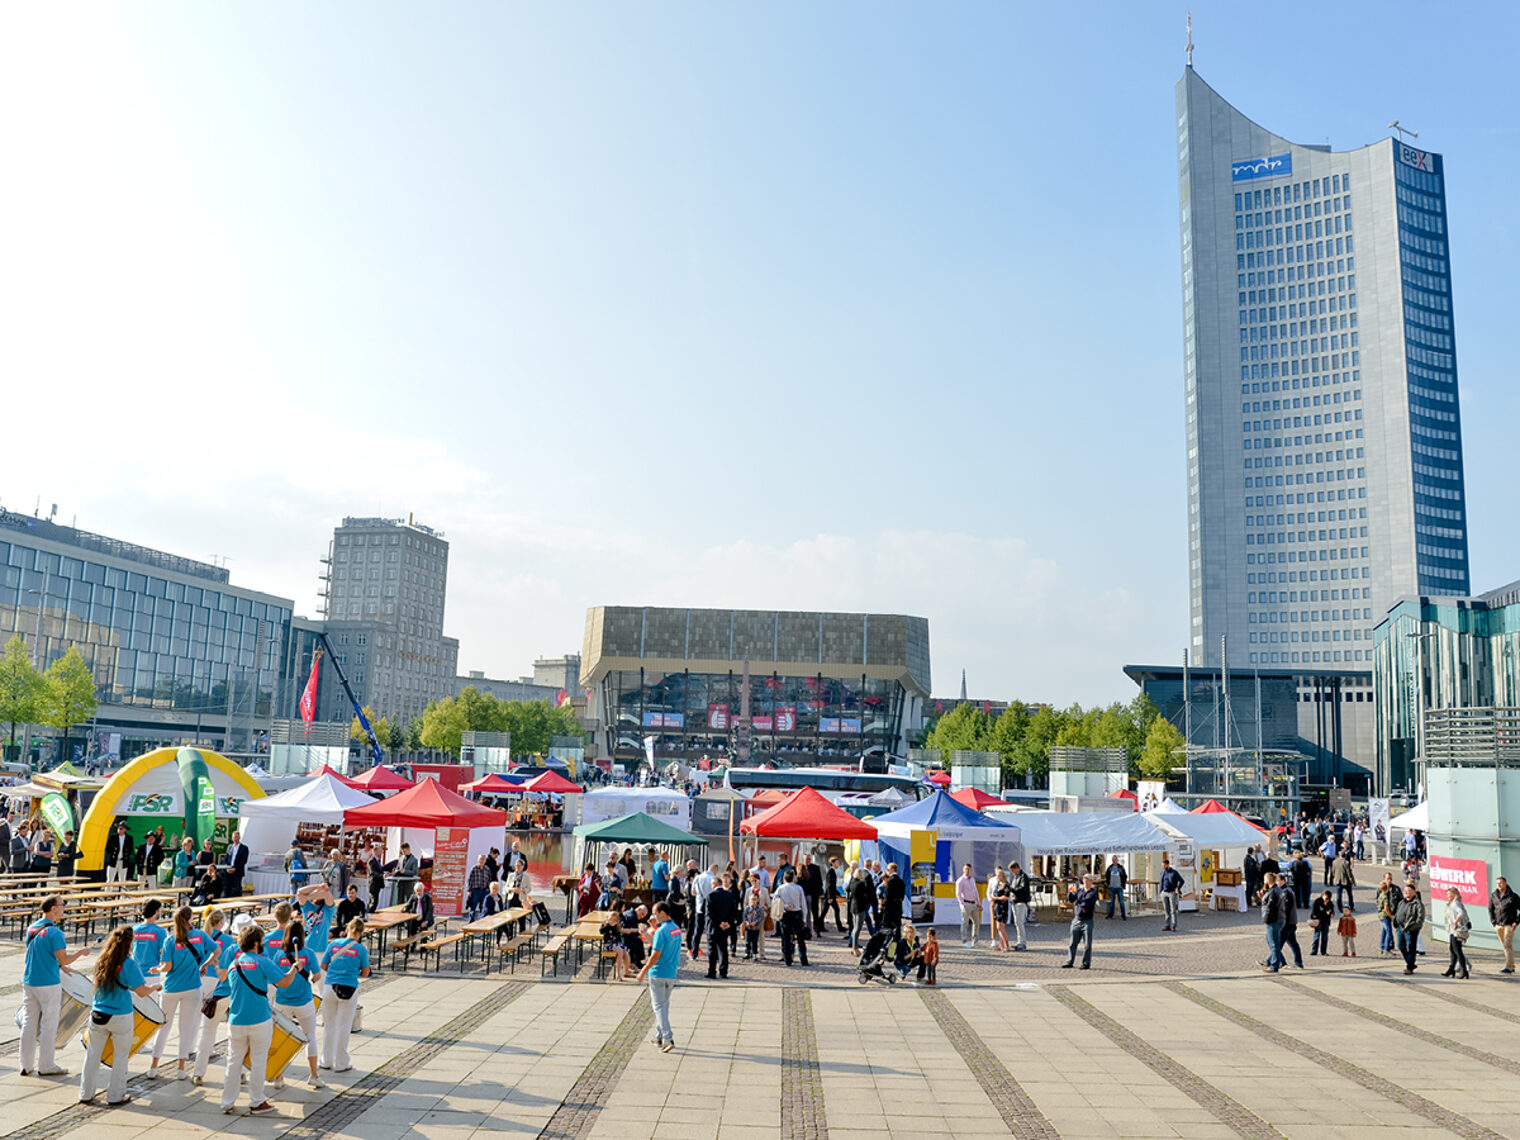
column 147, row 1019
column 286, row 1041
column 73, row 1008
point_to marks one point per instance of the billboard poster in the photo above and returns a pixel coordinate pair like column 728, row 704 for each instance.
column 849, row 724
column 717, row 717
column 1377, row 819
column 786, row 718
column 1469, row 876
column 1152, row 793
column 828, row 724
column 664, row 720
column 763, row 722
column 451, row 854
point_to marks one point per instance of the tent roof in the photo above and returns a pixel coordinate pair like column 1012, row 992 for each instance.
column 1168, row 807
column 940, row 777
column 636, row 827
column 1214, row 807
column 1209, row 806
column 1416, row 818
column 1088, row 833
column 492, row 782
column 550, row 782
column 427, row 803
column 938, row 810
column 329, row 770
column 383, row 779
column 976, row 798
column 1125, row 794
column 1216, row 829
column 321, row 799
column 719, row 792
column 770, row 797
column 807, row 815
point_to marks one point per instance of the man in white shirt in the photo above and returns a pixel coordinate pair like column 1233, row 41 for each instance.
column 703, row 887
column 763, row 871
column 793, row 918
column 971, row 906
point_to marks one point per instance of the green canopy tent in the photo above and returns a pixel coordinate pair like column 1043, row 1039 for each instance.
column 638, row 830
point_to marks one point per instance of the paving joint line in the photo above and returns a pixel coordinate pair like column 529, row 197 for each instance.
column 343, row 1109
column 1404, row 1027
column 1014, row 1105
column 1438, row 1114
column 803, row 1116
column 1436, row 991
column 1225, row 1108
column 593, row 1088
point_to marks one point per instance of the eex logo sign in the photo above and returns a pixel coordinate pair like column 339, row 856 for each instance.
column 1419, row 159
column 1272, row 167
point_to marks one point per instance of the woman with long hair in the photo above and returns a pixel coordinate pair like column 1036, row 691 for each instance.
column 1387, row 903
column 214, row 990
column 344, row 962
column 1458, row 927
column 249, row 1024
column 295, row 1001
column 117, row 978
column 1000, row 891
column 184, row 956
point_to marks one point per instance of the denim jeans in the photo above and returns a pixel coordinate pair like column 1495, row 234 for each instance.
column 1173, row 903
column 1385, row 934
column 1290, row 942
column 1350, row 898
column 1409, row 947
column 1275, row 959
column 1020, row 920
column 1081, row 931
column 659, row 999
column 1320, row 943
column 1116, row 895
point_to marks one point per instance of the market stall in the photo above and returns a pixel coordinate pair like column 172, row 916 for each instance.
column 1060, row 847
column 602, row 804
column 491, row 784
column 1206, row 844
column 932, row 840
column 311, row 813
column 803, row 816
column 440, row 824
column 638, row 831
column 977, row 799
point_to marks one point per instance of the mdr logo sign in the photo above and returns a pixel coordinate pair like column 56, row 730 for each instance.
column 1469, row 876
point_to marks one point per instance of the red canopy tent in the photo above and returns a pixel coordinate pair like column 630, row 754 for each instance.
column 382, row 779
column 329, row 770
column 941, row 777
column 492, row 784
column 1126, row 794
column 427, row 803
column 976, row 798
column 807, row 815
column 769, row 797
column 550, row 782
column 1210, row 807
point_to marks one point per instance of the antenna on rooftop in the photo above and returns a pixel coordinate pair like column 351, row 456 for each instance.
column 1402, row 131
column 1190, row 38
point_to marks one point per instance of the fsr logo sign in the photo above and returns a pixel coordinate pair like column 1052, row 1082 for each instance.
column 151, row 803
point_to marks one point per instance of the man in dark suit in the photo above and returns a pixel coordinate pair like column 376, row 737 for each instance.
column 121, row 856
column 236, row 858
column 722, row 913
column 893, row 892
column 810, row 879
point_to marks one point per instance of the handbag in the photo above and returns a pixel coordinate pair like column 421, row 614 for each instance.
column 343, row 992
column 208, row 1008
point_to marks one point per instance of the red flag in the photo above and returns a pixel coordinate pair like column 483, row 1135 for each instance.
column 309, row 694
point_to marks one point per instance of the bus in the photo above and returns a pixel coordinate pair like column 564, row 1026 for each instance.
column 825, row 780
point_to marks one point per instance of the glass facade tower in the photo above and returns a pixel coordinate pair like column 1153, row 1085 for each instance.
column 1324, row 442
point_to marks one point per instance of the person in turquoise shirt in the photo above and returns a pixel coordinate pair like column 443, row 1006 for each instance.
column 148, row 937
column 296, row 1001
column 117, row 978
column 185, row 955
column 659, row 876
column 344, row 962
column 249, row 1025
column 664, row 961
column 224, row 946
column 317, row 910
column 47, row 955
column 184, row 865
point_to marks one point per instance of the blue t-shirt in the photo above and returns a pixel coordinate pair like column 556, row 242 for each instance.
column 273, row 941
column 659, row 875
column 116, row 999
column 250, row 992
column 667, row 943
column 318, row 920
column 224, row 957
column 343, row 960
column 185, row 962
column 148, row 940
column 43, row 941
column 298, row 993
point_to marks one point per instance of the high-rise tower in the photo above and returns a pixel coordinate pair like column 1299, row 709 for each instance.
column 1324, row 440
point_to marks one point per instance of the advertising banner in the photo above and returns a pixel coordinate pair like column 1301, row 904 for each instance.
column 58, row 814
column 451, row 856
column 786, row 718
column 1469, row 876
column 763, row 722
column 717, row 717
column 1377, row 819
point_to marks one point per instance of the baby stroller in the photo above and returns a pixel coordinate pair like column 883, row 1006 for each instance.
column 878, row 959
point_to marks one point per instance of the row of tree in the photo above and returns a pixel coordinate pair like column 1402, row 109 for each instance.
column 60, row 698
column 442, row 725
column 1023, row 735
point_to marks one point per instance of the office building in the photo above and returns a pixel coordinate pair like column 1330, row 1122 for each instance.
column 823, row 686
column 385, row 582
column 1324, row 453
column 1446, row 676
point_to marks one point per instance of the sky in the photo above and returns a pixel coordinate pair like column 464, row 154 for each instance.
column 857, row 306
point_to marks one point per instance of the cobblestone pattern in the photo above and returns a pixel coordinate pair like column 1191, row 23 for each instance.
column 1019, row 1112
column 802, row 1111
column 343, row 1109
column 1404, row 1027
column 1225, row 1108
column 588, row 1096
column 1466, row 1003
column 1429, row 1109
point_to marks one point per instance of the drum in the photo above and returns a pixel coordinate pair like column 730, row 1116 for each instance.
column 73, row 1008
column 147, row 1019
column 286, row 1042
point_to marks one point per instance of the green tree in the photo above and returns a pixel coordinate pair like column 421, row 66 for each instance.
column 20, row 687
column 68, row 697
column 965, row 727
column 384, row 733
column 533, row 724
column 443, row 725
column 1161, row 740
column 1031, row 756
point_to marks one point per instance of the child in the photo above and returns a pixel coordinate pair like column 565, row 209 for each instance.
column 909, row 953
column 754, row 919
column 929, row 961
column 1346, row 928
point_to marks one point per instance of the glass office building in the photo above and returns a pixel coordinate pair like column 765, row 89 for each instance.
column 821, row 685
column 178, row 652
column 1324, row 453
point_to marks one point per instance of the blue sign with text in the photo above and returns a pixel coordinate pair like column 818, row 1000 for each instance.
column 1251, row 168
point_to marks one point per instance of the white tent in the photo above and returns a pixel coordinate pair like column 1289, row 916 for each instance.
column 602, row 804
column 1416, row 818
column 268, row 825
column 1170, row 806
column 1211, row 829
column 1089, row 833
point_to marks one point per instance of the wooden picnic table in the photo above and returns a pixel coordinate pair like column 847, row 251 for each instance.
column 381, row 921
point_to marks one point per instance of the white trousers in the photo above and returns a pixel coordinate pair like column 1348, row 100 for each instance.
column 118, row 873
column 119, row 1031
column 184, row 1007
column 254, row 1041
column 338, row 1020
column 39, row 1025
column 208, row 1036
column 306, row 1017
